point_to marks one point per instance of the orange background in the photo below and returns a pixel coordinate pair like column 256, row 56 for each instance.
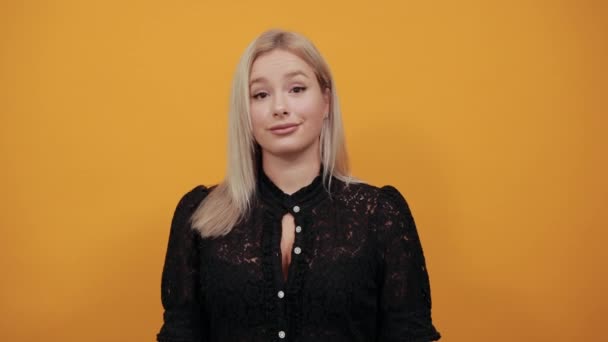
column 490, row 117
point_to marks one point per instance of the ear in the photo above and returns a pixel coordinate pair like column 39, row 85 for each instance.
column 327, row 98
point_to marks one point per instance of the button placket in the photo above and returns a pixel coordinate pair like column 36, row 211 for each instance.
column 297, row 249
column 281, row 294
column 287, row 290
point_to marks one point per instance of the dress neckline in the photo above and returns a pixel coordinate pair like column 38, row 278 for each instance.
column 281, row 202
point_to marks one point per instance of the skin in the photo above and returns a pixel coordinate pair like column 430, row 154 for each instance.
column 278, row 97
column 284, row 89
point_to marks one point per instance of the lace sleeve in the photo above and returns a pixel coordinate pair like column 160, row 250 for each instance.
column 180, row 276
column 405, row 297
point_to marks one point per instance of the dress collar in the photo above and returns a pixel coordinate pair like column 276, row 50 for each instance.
column 303, row 199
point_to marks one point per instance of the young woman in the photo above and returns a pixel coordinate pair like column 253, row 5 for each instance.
column 290, row 247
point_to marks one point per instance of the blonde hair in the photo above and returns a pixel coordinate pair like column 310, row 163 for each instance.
column 231, row 200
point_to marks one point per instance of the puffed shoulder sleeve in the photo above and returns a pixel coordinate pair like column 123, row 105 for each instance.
column 405, row 295
column 180, row 276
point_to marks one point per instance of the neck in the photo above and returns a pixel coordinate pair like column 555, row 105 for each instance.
column 291, row 173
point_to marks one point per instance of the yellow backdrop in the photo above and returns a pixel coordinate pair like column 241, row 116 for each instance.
column 490, row 117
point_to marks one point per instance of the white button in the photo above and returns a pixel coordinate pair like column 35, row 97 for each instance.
column 297, row 250
column 296, row 209
column 281, row 334
column 281, row 294
column 298, row 229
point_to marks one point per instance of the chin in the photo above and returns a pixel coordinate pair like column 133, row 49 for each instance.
column 287, row 149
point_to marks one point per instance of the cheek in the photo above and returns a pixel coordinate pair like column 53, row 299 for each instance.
column 313, row 114
column 313, row 107
column 257, row 116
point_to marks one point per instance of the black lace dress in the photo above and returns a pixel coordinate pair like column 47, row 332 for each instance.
column 357, row 270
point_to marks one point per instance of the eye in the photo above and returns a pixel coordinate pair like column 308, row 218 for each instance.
column 260, row 95
column 298, row 89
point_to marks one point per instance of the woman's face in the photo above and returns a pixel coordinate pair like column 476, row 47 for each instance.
column 287, row 104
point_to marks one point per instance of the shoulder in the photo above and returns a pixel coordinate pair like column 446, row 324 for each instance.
column 357, row 188
column 390, row 198
column 191, row 199
column 380, row 198
column 381, row 194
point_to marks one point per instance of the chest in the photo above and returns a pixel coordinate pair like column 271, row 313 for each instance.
column 269, row 259
column 288, row 232
column 312, row 243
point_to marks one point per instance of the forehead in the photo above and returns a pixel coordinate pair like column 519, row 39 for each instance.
column 277, row 63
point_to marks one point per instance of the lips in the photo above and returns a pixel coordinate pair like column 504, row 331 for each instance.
column 284, row 129
column 283, row 126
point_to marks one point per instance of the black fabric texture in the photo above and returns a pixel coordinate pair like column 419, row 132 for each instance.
column 360, row 273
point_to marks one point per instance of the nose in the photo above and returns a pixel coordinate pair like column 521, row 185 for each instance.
column 279, row 107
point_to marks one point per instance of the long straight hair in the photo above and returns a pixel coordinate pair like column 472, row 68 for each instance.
column 231, row 200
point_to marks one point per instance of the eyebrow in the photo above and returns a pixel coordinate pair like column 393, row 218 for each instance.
column 287, row 75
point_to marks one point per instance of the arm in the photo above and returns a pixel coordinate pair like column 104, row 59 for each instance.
column 180, row 277
column 405, row 296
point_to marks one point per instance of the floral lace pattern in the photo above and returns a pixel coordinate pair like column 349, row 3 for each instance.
column 357, row 270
